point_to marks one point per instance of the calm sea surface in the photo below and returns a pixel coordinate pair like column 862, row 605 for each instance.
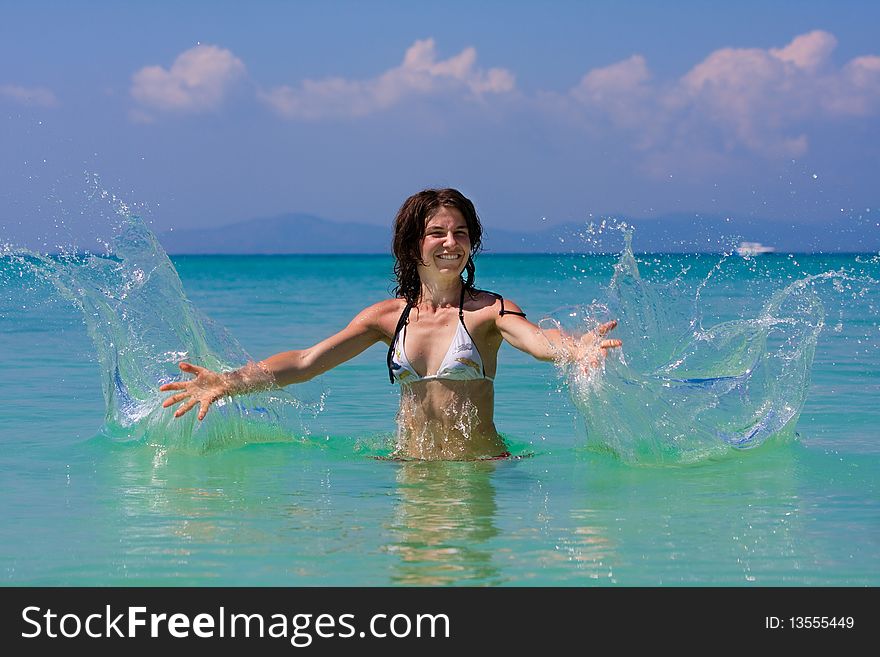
column 308, row 504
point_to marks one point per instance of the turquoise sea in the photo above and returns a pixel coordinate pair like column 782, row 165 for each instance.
column 735, row 440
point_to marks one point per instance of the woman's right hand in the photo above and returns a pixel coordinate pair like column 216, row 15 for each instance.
column 205, row 389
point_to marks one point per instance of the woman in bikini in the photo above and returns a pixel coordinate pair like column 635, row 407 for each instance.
column 443, row 336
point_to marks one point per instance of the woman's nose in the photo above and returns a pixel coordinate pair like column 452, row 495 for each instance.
column 449, row 240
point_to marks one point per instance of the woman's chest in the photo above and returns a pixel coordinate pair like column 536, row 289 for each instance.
column 430, row 340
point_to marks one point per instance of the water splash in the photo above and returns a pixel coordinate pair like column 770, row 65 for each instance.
column 683, row 389
column 680, row 391
column 142, row 324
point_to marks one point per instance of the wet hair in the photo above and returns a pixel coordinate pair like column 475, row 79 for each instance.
column 409, row 231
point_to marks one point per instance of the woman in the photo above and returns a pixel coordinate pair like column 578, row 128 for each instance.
column 443, row 336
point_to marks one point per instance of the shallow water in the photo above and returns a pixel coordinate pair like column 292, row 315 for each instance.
column 101, row 488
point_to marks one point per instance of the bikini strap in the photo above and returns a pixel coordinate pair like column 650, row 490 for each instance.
column 503, row 312
column 461, row 319
column 403, row 321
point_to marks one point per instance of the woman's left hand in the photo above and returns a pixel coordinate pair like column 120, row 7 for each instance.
column 594, row 346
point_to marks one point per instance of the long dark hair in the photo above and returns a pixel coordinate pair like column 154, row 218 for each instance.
column 409, row 231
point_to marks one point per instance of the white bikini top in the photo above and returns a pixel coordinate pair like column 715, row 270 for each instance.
column 462, row 361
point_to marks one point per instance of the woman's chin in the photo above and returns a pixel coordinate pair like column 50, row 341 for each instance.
column 443, row 270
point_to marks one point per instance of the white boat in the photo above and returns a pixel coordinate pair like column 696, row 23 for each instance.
column 746, row 249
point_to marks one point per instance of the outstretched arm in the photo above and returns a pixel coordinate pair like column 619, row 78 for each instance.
column 553, row 344
column 278, row 370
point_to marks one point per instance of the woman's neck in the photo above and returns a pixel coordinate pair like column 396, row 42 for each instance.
column 441, row 293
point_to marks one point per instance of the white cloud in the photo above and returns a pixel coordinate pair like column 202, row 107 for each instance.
column 745, row 100
column 38, row 96
column 419, row 74
column 198, row 80
column 620, row 78
column 621, row 90
column 807, row 51
column 752, row 98
column 858, row 92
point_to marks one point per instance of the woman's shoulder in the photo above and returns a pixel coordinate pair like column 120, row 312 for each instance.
column 385, row 307
column 490, row 297
column 501, row 305
column 484, row 299
column 381, row 316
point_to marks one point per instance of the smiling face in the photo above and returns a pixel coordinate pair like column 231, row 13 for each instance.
column 446, row 247
column 429, row 224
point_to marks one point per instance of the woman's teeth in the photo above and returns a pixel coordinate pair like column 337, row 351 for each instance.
column 449, row 257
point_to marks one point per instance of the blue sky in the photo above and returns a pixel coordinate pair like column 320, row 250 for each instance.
column 212, row 112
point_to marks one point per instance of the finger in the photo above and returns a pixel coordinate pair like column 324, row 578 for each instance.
column 174, row 399
column 185, row 408
column 177, row 385
column 203, row 410
column 610, row 344
column 607, row 326
column 192, row 369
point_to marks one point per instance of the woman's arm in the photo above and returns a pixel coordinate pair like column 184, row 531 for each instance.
column 552, row 344
column 281, row 369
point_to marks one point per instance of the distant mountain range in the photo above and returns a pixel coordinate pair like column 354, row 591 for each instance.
column 309, row 234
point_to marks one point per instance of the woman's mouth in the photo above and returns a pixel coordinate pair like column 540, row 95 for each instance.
column 449, row 256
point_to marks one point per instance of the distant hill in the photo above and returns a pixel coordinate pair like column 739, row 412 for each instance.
column 290, row 233
column 309, row 234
